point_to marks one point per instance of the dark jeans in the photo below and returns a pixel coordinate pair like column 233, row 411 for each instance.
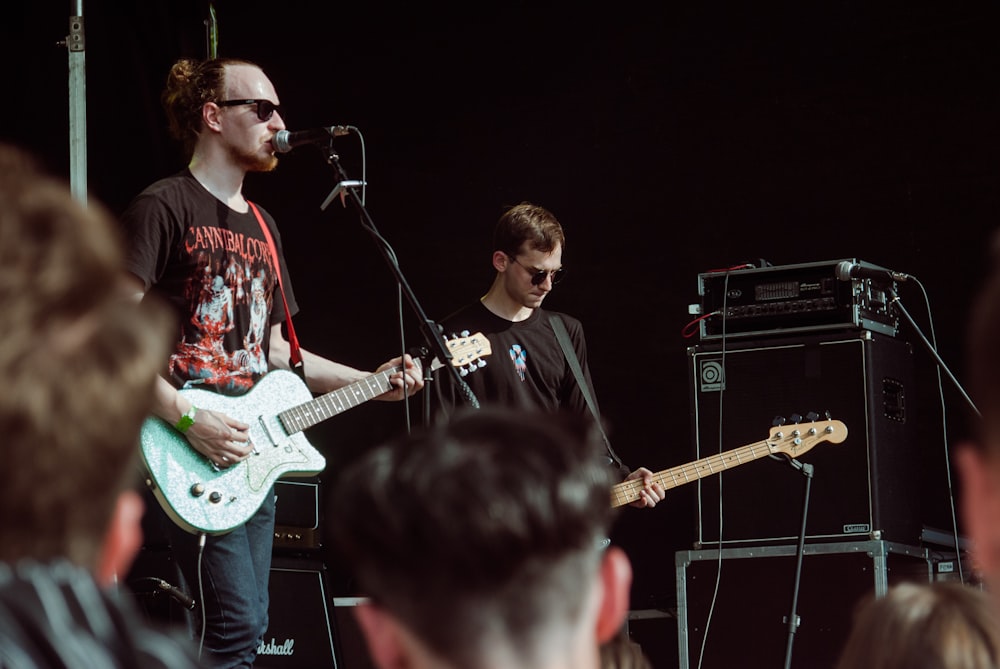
column 235, row 568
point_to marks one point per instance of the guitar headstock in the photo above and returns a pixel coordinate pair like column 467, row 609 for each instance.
column 795, row 438
column 468, row 350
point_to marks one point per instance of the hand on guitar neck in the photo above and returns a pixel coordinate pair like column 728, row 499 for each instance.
column 645, row 487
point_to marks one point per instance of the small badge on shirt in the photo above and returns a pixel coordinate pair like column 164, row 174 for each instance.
column 518, row 355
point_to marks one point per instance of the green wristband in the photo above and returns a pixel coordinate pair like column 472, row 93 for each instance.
column 187, row 420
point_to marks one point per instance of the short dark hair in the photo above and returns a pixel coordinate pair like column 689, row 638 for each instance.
column 529, row 224
column 492, row 520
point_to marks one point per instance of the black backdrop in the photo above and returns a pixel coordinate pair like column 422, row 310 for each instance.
column 669, row 141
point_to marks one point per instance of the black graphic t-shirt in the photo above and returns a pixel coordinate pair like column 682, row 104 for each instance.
column 215, row 267
column 526, row 367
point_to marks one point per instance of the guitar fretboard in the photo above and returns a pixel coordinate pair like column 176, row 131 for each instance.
column 627, row 492
column 315, row 411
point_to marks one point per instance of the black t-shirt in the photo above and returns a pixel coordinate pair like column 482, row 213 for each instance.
column 214, row 266
column 526, row 367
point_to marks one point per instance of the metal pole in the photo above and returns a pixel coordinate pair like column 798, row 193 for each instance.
column 76, row 42
column 211, row 33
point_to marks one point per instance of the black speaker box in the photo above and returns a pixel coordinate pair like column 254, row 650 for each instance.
column 743, row 622
column 868, row 486
column 299, row 632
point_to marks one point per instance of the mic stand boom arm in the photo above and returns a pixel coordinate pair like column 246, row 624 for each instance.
column 346, row 188
column 897, row 304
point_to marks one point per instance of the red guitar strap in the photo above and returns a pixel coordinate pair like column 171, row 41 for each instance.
column 296, row 355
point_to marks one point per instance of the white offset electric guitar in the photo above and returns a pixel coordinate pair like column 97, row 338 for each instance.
column 202, row 498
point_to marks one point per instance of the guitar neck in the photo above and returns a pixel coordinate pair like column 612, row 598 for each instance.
column 627, row 492
column 326, row 406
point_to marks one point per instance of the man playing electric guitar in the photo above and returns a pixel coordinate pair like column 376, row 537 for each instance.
column 195, row 240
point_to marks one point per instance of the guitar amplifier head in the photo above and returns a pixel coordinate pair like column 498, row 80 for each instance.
column 296, row 515
column 807, row 297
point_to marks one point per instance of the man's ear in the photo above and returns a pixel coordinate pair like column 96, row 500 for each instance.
column 122, row 540
column 500, row 261
column 210, row 113
column 616, row 579
column 381, row 632
column 980, row 508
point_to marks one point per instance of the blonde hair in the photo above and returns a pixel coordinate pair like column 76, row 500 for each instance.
column 941, row 625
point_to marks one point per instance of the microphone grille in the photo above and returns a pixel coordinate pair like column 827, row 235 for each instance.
column 280, row 142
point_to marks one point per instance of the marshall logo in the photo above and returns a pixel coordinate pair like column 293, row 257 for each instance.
column 274, row 648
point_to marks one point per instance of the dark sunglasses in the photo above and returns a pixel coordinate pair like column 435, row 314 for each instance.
column 265, row 108
column 538, row 276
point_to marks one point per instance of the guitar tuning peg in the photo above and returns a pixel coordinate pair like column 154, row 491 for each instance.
column 471, row 368
column 812, row 417
column 462, row 371
column 465, row 333
column 481, row 363
column 778, row 421
column 829, row 416
column 796, row 418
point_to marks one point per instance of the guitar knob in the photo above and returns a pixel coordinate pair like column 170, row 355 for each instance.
column 197, row 490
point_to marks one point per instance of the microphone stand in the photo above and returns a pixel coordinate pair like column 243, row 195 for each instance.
column 897, row 304
column 430, row 330
column 793, row 617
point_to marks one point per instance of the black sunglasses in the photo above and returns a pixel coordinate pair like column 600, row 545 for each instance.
column 538, row 276
column 265, row 108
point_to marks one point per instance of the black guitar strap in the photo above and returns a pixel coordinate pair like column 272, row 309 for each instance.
column 560, row 329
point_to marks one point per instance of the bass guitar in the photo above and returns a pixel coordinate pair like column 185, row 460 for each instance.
column 202, row 498
column 788, row 440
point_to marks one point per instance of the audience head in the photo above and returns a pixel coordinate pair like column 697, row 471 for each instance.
column 78, row 362
column 478, row 543
column 620, row 652
column 941, row 625
column 978, row 462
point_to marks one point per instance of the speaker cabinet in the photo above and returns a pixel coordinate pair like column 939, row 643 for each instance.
column 866, row 486
column 742, row 623
column 299, row 634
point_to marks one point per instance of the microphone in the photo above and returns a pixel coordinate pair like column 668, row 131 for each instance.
column 284, row 141
column 182, row 597
column 846, row 270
